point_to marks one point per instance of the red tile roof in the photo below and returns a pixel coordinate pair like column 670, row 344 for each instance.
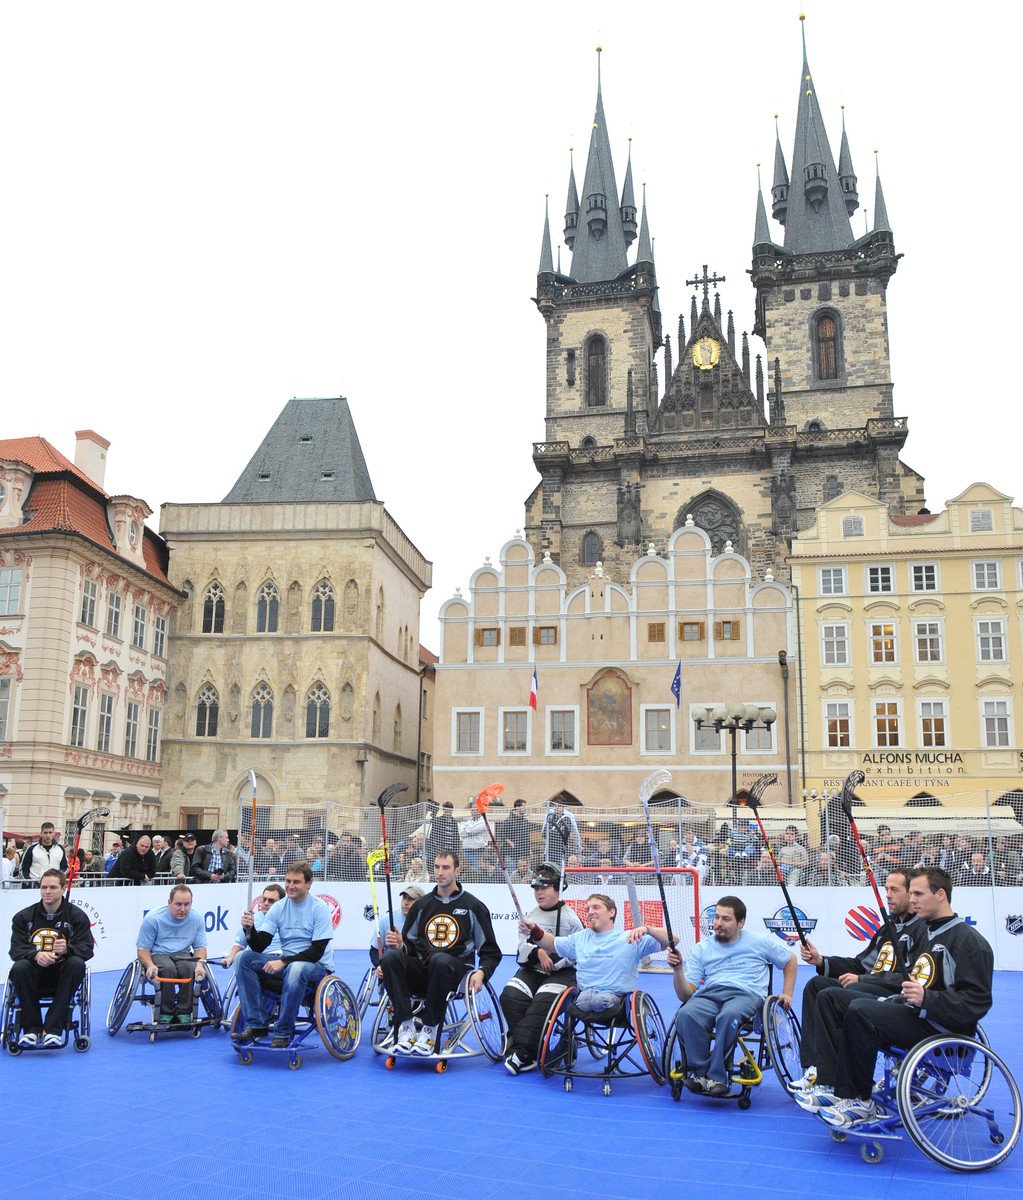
column 37, row 453
column 427, row 656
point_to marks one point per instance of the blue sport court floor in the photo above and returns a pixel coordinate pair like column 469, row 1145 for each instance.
column 183, row 1120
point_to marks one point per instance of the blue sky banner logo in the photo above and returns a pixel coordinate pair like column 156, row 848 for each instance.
column 783, row 926
column 862, row 923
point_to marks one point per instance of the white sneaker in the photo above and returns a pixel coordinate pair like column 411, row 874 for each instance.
column 28, row 1039
column 406, row 1037
column 813, row 1099
column 52, row 1039
column 426, row 1043
column 805, row 1082
column 844, row 1113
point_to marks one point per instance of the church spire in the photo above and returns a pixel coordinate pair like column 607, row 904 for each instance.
column 880, row 211
column 645, row 250
column 846, row 174
column 546, row 257
column 761, row 230
column 571, row 204
column 629, row 203
column 780, row 187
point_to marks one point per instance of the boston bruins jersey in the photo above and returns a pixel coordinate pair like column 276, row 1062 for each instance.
column 458, row 925
column 955, row 965
column 34, row 929
column 879, row 962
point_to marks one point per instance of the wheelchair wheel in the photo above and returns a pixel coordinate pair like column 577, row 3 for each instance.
column 673, row 1063
column 959, row 1103
column 648, row 1029
column 487, row 1020
column 381, row 1023
column 124, row 995
column 85, row 1007
column 209, row 998
column 366, row 989
column 783, row 1035
column 228, row 999
column 8, row 1021
column 556, row 1043
column 337, row 1017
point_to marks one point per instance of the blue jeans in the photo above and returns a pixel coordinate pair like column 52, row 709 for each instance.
column 725, row 1007
column 297, row 979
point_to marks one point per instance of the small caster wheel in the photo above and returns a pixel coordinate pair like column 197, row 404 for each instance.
column 442, row 1066
column 871, row 1152
column 676, row 1090
column 13, row 1049
column 196, row 1031
column 837, row 1135
column 568, row 1085
column 245, row 1057
column 152, row 1038
column 607, row 1089
column 83, row 1043
column 389, row 1062
column 744, row 1102
column 295, row 1062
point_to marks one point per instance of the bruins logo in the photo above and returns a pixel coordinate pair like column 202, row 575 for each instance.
column 923, row 970
column 442, row 931
column 44, row 939
column 885, row 960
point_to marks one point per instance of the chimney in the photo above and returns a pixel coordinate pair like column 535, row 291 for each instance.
column 91, row 455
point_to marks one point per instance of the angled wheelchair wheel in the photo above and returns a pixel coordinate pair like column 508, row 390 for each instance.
column 648, row 1029
column 487, row 1020
column 9, row 1021
column 782, row 1035
column 229, row 998
column 124, row 995
column 337, row 1017
column 210, row 1002
column 558, row 1031
column 381, row 1023
column 673, row 1063
column 364, row 996
column 959, row 1103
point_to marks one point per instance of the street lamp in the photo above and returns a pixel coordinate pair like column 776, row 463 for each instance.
column 733, row 717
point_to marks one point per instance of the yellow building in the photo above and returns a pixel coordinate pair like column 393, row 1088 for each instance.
column 605, row 655
column 911, row 646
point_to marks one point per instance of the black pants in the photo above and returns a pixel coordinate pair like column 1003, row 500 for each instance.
column 405, row 977
column 176, row 997
column 869, row 1025
column 59, row 981
column 815, row 1046
column 526, row 1000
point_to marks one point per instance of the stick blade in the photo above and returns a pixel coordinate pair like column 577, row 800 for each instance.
column 252, row 779
column 852, row 782
column 653, row 784
column 388, row 794
column 489, row 794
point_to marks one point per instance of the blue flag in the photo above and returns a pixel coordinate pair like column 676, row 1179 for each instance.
column 676, row 684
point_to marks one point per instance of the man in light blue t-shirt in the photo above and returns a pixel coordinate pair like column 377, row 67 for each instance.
column 302, row 924
column 606, row 958
column 172, row 943
column 729, row 975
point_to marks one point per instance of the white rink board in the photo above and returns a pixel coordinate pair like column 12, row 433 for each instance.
column 116, row 914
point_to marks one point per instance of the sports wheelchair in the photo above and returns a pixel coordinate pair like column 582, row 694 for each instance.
column 133, row 986
column 329, row 1009
column 473, row 1025
column 370, row 993
column 751, row 1056
column 76, row 1028
column 623, row 1042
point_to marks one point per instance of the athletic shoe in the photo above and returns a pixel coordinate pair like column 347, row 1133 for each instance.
column 166, row 1018
column 281, row 1042
column 844, row 1113
column 182, row 1018
column 28, row 1039
column 814, row 1099
column 518, row 1062
column 714, row 1087
column 426, row 1043
column 805, row 1082
column 52, row 1039
column 697, row 1084
column 406, row 1037
column 249, row 1035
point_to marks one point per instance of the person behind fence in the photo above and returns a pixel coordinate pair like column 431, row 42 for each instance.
column 513, row 834
column 560, row 833
column 215, row 863
column 723, row 983
column 161, row 855
column 272, row 892
column 51, row 941
column 948, row 991
column 531, row 992
column 443, row 934
column 172, row 944
column 791, row 856
column 136, row 862
column 606, row 958
column 43, row 855
column 302, row 924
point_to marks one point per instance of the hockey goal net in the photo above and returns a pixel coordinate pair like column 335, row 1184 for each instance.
column 638, row 899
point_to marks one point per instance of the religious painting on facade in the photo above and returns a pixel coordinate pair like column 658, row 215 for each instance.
column 609, row 711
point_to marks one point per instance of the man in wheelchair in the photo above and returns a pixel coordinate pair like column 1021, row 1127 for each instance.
column 172, row 944
column 723, row 983
column 51, row 941
column 948, row 991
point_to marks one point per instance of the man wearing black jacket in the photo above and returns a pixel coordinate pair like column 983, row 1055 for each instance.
column 136, row 863
column 50, row 944
column 215, row 863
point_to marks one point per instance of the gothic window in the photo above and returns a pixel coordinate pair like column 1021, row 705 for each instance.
column 207, row 711
column 591, row 548
column 323, row 608
column 718, row 517
column 262, row 712
column 351, row 602
column 832, row 488
column 213, row 609
column 397, row 729
column 268, row 606
column 588, row 443
column 376, row 720
column 380, row 615
column 826, row 346
column 596, row 372
column 317, row 712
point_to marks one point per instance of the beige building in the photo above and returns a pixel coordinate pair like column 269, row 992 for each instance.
column 605, row 655
column 85, row 608
column 296, row 652
column 913, row 659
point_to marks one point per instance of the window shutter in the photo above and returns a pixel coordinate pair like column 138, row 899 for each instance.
column 477, row 637
column 703, row 629
column 735, row 631
column 536, row 635
column 718, row 632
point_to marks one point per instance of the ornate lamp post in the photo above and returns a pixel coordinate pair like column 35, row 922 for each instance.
column 735, row 716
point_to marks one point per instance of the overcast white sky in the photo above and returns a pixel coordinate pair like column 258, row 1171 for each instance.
column 208, row 208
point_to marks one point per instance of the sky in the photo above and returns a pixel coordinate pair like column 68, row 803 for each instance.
column 208, row 208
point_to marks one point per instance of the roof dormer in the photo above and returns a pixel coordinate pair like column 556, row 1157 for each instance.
column 127, row 516
column 15, row 480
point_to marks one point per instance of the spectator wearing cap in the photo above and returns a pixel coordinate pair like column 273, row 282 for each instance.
column 111, row 858
column 531, row 992
column 406, row 898
column 182, row 855
column 293, row 853
column 344, row 862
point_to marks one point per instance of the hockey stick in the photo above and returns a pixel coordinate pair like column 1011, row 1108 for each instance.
column 652, row 784
column 752, row 802
column 852, row 781
column 481, row 805
column 80, row 824
column 372, row 859
column 385, row 798
column 252, row 838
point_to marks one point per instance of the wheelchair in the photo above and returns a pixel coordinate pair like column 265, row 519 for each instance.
column 133, row 986
column 623, row 1042
column 473, row 1025
column 76, row 1029
column 370, row 993
column 330, row 1009
column 751, row 1055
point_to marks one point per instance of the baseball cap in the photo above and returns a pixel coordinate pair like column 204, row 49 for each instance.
column 413, row 891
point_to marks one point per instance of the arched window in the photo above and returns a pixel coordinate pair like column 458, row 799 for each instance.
column 718, row 516
column 397, row 729
column 588, row 443
column 596, row 372
column 591, row 548
column 262, row 712
column 826, row 340
column 323, row 608
column 317, row 712
column 832, row 488
column 351, row 602
column 213, row 609
column 207, row 710
column 268, row 606
column 376, row 720
column 380, row 616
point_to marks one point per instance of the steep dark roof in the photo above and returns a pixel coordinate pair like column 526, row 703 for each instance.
column 312, row 452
